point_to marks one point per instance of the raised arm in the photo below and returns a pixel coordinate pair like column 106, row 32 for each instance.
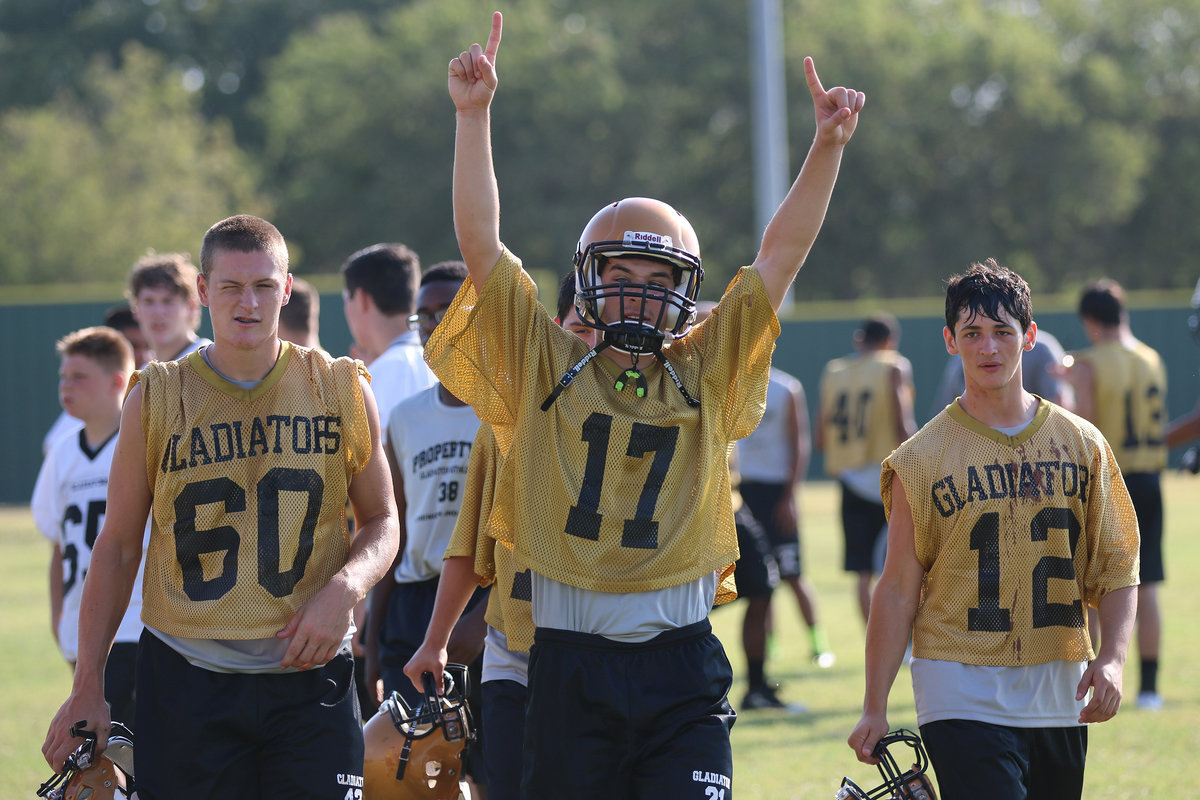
column 793, row 229
column 472, row 84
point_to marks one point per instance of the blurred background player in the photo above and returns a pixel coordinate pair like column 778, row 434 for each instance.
column 300, row 317
column 120, row 318
column 475, row 558
column 756, row 574
column 429, row 443
column 866, row 410
column 380, row 291
column 1121, row 386
column 773, row 462
column 162, row 295
column 70, row 497
column 1185, row 428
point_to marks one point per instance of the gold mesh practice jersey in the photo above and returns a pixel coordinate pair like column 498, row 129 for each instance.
column 249, row 490
column 1130, row 392
column 605, row 490
column 1016, row 534
column 510, row 608
column 857, row 411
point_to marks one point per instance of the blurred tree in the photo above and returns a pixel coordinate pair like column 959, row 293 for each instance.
column 97, row 176
column 1057, row 135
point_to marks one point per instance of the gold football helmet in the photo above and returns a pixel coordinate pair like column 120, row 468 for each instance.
column 418, row 753
column 650, row 229
column 911, row 784
column 87, row 776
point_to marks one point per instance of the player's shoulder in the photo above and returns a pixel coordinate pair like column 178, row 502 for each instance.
column 785, row 379
column 413, row 410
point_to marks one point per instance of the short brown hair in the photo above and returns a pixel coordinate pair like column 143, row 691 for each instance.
column 106, row 346
column 1104, row 302
column 987, row 288
column 243, row 233
column 172, row 271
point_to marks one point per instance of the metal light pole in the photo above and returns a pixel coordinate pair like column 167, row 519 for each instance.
column 768, row 108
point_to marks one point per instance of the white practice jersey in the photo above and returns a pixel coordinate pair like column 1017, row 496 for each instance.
column 69, row 500
column 765, row 456
column 399, row 372
column 432, row 443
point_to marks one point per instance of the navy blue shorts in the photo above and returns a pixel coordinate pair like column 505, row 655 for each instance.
column 984, row 761
column 612, row 719
column 504, row 729
column 203, row 734
column 862, row 523
column 762, row 498
column 1145, row 490
column 119, row 673
column 755, row 572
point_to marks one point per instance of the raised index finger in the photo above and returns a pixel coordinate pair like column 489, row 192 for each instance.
column 493, row 43
column 810, row 75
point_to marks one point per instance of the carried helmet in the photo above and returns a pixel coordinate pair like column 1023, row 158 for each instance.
column 87, row 776
column 910, row 784
column 645, row 228
column 419, row 753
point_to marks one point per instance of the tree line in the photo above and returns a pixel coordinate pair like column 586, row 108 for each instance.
column 1060, row 136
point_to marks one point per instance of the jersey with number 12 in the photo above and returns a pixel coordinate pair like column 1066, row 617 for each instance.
column 1016, row 534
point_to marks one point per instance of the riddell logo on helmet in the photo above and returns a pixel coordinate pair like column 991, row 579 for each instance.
column 646, row 237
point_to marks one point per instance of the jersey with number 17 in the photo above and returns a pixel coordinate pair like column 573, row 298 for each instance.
column 608, row 490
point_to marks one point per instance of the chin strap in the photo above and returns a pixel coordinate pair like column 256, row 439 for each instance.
column 632, row 375
column 691, row 401
column 571, row 374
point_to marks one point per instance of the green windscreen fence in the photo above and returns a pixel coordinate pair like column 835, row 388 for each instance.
column 29, row 399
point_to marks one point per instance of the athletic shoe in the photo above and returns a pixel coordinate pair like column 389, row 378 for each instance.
column 761, row 697
column 1150, row 701
column 825, row 659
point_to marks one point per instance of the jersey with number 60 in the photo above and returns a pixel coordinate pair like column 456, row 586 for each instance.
column 249, row 490
column 1016, row 534
column 607, row 490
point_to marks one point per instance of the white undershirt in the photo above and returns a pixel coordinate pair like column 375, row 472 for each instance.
column 621, row 616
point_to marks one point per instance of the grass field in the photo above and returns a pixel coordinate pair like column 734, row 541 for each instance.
column 777, row 755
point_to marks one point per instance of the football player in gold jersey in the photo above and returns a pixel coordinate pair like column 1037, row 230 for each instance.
column 620, row 501
column 474, row 558
column 1007, row 516
column 1121, row 385
column 866, row 409
column 244, row 455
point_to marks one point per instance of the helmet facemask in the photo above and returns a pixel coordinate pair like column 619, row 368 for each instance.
column 898, row 784
column 88, row 776
column 418, row 753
